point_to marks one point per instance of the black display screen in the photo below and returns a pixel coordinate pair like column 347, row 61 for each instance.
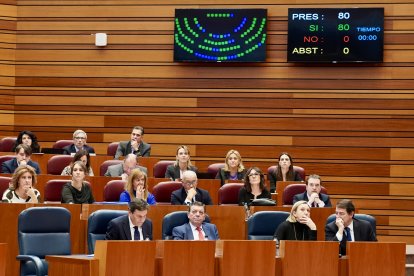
column 220, row 35
column 336, row 35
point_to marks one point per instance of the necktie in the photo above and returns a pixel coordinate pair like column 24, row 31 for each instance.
column 348, row 234
column 136, row 234
column 200, row 234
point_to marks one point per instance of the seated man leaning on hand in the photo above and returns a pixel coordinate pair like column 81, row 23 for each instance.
column 136, row 145
column 23, row 154
column 189, row 193
column 313, row 194
column 196, row 228
column 124, row 169
column 133, row 226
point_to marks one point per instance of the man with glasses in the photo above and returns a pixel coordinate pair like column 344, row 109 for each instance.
column 189, row 193
column 313, row 194
column 79, row 143
column 196, row 229
column 346, row 228
column 136, row 145
column 124, row 169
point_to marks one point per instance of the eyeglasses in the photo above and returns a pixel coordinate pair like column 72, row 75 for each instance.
column 254, row 174
column 80, row 138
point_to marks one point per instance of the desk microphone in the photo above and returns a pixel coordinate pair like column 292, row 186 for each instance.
column 205, row 237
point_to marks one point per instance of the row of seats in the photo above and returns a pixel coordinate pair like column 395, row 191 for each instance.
column 228, row 193
column 57, row 163
column 54, row 222
column 7, row 144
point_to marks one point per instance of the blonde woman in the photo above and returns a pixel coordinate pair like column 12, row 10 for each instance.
column 137, row 187
column 182, row 164
column 233, row 168
column 298, row 226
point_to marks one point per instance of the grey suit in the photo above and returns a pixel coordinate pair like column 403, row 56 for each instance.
column 118, row 170
column 184, row 232
column 124, row 148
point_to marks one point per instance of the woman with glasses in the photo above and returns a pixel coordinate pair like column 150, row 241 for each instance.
column 137, row 187
column 284, row 171
column 298, row 226
column 254, row 187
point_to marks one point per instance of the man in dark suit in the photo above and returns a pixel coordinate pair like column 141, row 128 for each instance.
column 79, row 142
column 313, row 194
column 346, row 228
column 196, row 228
column 189, row 192
column 134, row 226
column 135, row 145
column 23, row 153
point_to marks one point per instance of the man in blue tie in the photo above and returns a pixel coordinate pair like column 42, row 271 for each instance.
column 346, row 228
column 133, row 226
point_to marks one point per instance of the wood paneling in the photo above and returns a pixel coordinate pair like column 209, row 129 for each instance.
column 351, row 123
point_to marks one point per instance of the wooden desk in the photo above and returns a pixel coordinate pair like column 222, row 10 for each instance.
column 375, row 258
column 72, row 265
column 246, row 258
column 177, row 258
column 125, row 257
column 309, row 258
column 3, row 258
column 280, row 187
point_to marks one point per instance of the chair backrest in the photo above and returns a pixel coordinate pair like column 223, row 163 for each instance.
column 111, row 149
column 172, row 220
column 365, row 217
column 60, row 144
column 4, row 184
column 163, row 190
column 43, row 231
column 298, row 169
column 160, row 168
column 104, row 166
column 213, row 169
column 229, row 193
column 7, row 144
column 113, row 190
column 293, row 189
column 97, row 225
column 57, row 163
column 53, row 190
column 262, row 225
column 5, row 158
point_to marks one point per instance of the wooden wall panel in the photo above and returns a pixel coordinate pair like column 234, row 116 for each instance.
column 351, row 123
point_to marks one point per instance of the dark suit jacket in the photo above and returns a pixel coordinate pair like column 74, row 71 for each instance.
column 324, row 197
column 225, row 175
column 362, row 232
column 118, row 229
column 124, row 148
column 11, row 165
column 184, row 232
column 71, row 149
column 173, row 172
column 178, row 197
column 272, row 179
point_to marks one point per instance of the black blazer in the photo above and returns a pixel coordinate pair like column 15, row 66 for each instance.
column 11, row 165
column 324, row 197
column 124, row 148
column 178, row 197
column 272, row 178
column 173, row 172
column 225, row 175
column 362, row 232
column 71, row 149
column 118, row 229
